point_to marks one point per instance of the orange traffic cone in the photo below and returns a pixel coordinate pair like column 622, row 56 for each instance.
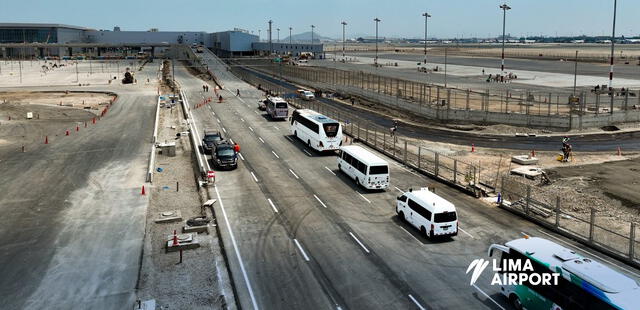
column 619, row 152
column 66, row 133
column 533, row 153
column 473, row 147
column 77, row 127
column 175, row 238
column 46, row 139
column 142, row 193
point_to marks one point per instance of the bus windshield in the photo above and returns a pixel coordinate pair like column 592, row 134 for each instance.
column 331, row 129
column 281, row 105
column 444, row 217
column 378, row 170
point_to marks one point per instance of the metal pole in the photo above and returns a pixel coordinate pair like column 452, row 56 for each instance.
column 426, row 17
column 270, row 43
column 278, row 30
column 290, row 38
column 575, row 74
column 504, row 8
column 344, row 24
column 613, row 40
column 312, row 26
column 377, row 20
column 445, row 67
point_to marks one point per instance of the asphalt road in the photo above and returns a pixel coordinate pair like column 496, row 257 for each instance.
column 608, row 142
column 300, row 235
column 630, row 71
column 72, row 214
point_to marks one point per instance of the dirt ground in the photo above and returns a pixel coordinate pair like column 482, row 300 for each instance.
column 49, row 117
column 196, row 283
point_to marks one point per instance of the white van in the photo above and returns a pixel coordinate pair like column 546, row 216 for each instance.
column 428, row 212
column 306, row 94
column 367, row 169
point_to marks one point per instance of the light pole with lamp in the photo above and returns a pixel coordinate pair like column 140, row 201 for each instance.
column 426, row 16
column 504, row 8
column 377, row 20
column 344, row 24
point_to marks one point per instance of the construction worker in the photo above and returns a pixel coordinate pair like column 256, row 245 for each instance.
column 238, row 92
column 236, row 147
column 220, row 98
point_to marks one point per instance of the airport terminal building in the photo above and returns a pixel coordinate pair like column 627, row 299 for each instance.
column 30, row 40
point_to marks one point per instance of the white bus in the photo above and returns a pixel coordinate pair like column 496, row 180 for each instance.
column 428, row 212
column 277, row 108
column 316, row 130
column 582, row 284
column 367, row 169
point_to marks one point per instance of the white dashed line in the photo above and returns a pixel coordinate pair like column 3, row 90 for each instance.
column 242, row 119
column 235, row 247
column 250, row 128
column 363, row 197
column 360, row 243
column 410, row 234
column 231, row 140
column 289, row 138
column 399, row 189
column 416, row 302
column 273, row 206
column 301, row 250
column 276, row 155
column 305, row 150
column 294, row 174
column 276, row 127
column 468, row 234
column 485, row 295
column 254, row 176
column 256, row 112
column 320, row 201
column 260, row 139
column 217, row 119
column 225, row 131
column 325, row 167
column 241, row 157
column 214, row 113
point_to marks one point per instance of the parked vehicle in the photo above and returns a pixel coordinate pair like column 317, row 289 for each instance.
column 428, row 212
column 210, row 139
column 367, row 169
column 225, row 156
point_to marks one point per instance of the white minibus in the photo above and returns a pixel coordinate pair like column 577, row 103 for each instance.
column 428, row 212
column 367, row 169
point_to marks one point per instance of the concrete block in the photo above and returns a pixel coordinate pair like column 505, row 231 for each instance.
column 145, row 305
column 169, row 216
column 185, row 242
column 195, row 229
column 524, row 160
column 209, row 203
column 528, row 172
column 168, row 148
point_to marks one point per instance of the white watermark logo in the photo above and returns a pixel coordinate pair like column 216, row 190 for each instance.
column 512, row 272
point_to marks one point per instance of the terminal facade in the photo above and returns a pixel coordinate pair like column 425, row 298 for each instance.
column 31, row 40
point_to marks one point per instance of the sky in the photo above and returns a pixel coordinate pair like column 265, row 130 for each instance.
column 399, row 18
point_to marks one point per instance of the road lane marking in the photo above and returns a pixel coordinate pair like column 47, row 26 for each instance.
column 273, row 206
column 235, row 247
column 289, row 138
column 241, row 157
column 485, row 295
column 468, row 234
column 242, row 119
column 294, row 174
column 405, row 169
column 254, row 176
column 250, row 128
column 583, row 250
column 301, row 250
column 416, row 302
column 399, row 189
column 363, row 197
column 305, row 150
column 231, row 140
column 217, row 119
column 276, row 155
column 260, row 139
column 360, row 243
column 225, row 131
column 320, row 201
column 256, row 112
column 325, row 167
column 410, row 234
column 214, row 113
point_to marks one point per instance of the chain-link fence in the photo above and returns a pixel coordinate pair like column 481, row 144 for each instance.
column 607, row 234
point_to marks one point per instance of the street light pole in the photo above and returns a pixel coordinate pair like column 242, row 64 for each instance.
column 290, row 38
column 613, row 40
column 270, row 43
column 426, row 16
column 504, row 8
column 575, row 75
column 312, row 26
column 278, row 30
column 344, row 24
column 377, row 20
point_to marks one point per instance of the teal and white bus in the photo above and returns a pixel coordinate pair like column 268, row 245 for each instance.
column 582, row 282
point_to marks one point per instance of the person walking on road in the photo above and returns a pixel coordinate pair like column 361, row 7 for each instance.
column 236, row 147
column 238, row 92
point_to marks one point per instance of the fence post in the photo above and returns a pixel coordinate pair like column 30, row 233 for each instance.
column 358, row 130
column 419, row 148
column 455, row 170
column 405, row 152
column 632, row 241
column 384, row 141
column 526, row 206
column 366, row 134
column 557, row 211
column 437, row 158
column 375, row 137
column 394, row 145
column 592, row 221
